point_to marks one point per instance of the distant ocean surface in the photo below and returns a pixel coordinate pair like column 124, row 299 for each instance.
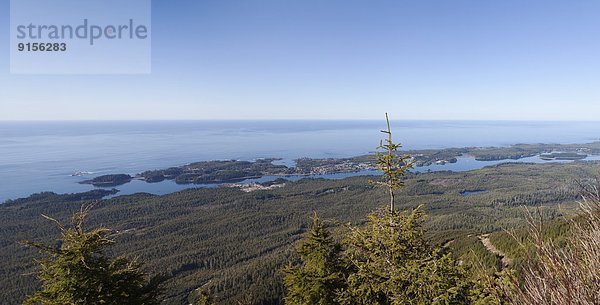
column 42, row 156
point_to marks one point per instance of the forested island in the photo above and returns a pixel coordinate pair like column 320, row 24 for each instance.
column 108, row 180
column 217, row 171
column 563, row 156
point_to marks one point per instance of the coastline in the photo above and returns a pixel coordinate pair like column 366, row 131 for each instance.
column 244, row 172
column 234, row 171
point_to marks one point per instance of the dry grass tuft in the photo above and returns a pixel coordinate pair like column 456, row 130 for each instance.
column 568, row 274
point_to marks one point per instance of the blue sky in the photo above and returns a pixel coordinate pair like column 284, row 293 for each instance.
column 338, row 59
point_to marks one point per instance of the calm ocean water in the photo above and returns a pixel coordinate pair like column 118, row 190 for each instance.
column 41, row 156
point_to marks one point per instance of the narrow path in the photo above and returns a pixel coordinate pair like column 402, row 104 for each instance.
column 485, row 240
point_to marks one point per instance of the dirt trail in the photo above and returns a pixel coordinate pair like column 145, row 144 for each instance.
column 485, row 240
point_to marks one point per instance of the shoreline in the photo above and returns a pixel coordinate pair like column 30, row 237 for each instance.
column 235, row 171
column 447, row 159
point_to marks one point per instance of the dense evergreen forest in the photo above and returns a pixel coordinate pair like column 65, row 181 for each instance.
column 233, row 244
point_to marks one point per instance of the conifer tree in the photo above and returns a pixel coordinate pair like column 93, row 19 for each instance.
column 319, row 276
column 386, row 261
column 393, row 264
column 77, row 272
column 393, row 165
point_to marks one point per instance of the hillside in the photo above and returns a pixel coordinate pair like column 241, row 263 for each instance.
column 233, row 242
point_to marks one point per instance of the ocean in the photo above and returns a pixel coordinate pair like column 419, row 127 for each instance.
column 43, row 156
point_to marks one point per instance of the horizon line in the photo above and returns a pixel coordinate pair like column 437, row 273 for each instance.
column 290, row 120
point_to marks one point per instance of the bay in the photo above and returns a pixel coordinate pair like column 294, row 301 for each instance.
column 43, row 156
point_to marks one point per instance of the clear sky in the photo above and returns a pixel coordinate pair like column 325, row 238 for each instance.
column 338, row 59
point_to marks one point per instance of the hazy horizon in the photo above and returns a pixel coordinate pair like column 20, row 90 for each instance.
column 290, row 120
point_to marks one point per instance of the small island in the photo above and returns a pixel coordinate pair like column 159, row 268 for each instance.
column 108, row 180
column 563, row 156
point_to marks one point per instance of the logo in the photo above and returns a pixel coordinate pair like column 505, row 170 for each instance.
column 80, row 36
